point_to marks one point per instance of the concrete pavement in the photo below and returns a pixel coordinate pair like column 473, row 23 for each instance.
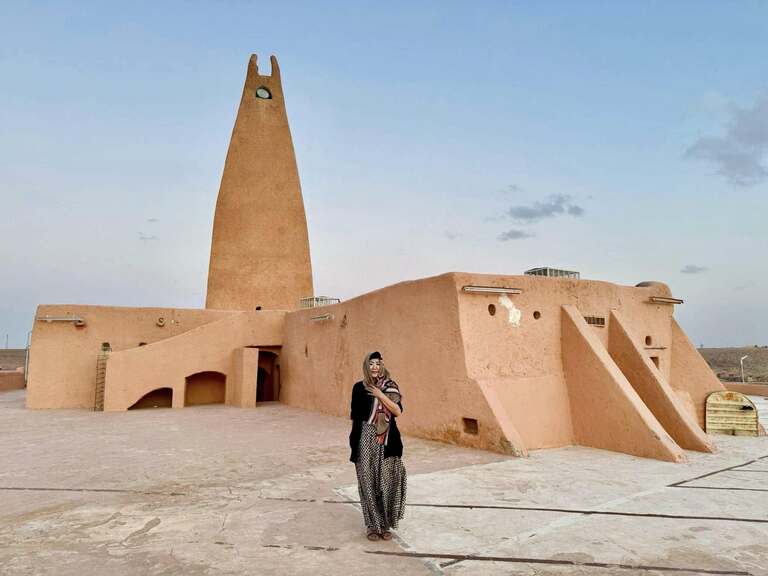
column 218, row 490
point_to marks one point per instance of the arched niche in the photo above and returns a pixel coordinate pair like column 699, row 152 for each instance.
column 205, row 388
column 158, row 398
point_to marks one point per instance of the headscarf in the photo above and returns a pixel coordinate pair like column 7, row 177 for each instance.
column 383, row 373
column 380, row 415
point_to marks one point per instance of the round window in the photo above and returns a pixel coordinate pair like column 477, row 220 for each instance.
column 263, row 93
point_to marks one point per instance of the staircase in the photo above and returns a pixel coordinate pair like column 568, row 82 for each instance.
column 101, row 376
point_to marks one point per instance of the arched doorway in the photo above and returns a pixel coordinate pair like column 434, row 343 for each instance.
column 205, row 388
column 268, row 377
column 158, row 398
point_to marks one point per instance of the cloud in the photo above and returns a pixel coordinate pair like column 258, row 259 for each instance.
column 513, row 188
column 740, row 154
column 693, row 269
column 153, row 219
column 451, row 235
column 514, row 234
column 143, row 236
column 554, row 206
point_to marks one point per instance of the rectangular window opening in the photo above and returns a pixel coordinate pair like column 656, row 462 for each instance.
column 470, row 426
column 595, row 321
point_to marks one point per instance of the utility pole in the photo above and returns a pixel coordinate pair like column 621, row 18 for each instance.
column 741, row 361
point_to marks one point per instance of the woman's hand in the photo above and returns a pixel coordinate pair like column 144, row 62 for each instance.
column 374, row 391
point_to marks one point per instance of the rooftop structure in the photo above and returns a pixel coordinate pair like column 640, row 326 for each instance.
column 552, row 273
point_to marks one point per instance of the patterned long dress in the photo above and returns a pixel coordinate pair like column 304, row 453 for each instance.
column 382, row 483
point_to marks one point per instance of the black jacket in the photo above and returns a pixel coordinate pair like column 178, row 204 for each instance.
column 362, row 404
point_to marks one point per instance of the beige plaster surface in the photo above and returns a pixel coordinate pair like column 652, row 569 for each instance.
column 690, row 373
column 260, row 246
column 241, row 387
column 226, row 491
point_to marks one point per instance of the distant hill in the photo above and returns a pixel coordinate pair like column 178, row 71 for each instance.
column 725, row 363
column 11, row 358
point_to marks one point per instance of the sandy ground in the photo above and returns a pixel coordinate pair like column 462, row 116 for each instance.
column 217, row 490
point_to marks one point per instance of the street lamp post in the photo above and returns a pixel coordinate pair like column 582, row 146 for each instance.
column 741, row 361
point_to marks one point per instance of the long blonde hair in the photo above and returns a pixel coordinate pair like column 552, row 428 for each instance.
column 367, row 378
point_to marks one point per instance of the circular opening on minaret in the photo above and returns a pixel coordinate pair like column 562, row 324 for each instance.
column 536, row 314
column 491, row 309
column 263, row 93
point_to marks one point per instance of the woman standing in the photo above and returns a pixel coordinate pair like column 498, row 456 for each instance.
column 377, row 448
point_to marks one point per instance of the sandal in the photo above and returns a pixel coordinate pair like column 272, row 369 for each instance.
column 373, row 536
column 386, row 535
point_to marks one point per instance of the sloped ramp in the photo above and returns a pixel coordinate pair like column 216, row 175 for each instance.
column 653, row 388
column 607, row 412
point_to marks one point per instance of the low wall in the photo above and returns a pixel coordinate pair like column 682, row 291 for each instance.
column 11, row 380
column 751, row 389
column 62, row 357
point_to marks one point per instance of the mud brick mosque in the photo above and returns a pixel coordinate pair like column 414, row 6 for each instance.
column 516, row 362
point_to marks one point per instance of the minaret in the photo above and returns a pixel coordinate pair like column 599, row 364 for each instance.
column 260, row 247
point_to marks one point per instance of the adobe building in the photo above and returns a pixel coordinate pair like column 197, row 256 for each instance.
column 504, row 363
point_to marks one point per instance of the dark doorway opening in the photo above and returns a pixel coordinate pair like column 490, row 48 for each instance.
column 268, row 377
column 264, row 386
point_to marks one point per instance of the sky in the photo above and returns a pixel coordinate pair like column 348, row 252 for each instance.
column 625, row 140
